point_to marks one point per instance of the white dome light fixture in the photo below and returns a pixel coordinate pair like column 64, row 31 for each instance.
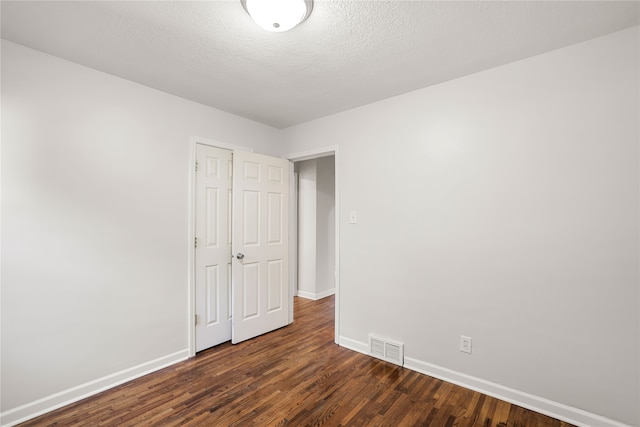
column 278, row 15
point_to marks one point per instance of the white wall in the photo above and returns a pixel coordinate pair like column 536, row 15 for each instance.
column 325, row 226
column 94, row 225
column 307, row 177
column 503, row 206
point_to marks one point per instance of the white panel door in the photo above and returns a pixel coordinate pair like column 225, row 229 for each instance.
column 213, row 246
column 260, row 245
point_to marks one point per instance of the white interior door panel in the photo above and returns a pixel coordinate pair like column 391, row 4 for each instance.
column 260, row 244
column 213, row 248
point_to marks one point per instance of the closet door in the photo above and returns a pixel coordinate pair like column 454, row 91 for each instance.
column 260, row 244
column 213, row 246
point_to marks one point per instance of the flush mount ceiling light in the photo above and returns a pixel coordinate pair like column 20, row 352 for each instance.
column 278, row 15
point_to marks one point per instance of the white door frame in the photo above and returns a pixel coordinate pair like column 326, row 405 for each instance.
column 293, row 232
column 293, row 241
column 191, row 253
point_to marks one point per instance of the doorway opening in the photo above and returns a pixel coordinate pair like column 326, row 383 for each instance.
column 314, row 229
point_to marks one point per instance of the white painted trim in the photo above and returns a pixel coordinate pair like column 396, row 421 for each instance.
column 194, row 139
column 34, row 409
column 318, row 295
column 191, row 254
column 360, row 347
column 293, row 238
column 336, row 153
column 332, row 150
column 538, row 404
column 312, row 154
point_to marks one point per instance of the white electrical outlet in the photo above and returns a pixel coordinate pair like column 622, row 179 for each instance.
column 465, row 344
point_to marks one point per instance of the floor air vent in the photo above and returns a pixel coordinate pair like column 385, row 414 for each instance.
column 386, row 350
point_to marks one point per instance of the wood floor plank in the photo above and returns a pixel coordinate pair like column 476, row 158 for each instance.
column 295, row 376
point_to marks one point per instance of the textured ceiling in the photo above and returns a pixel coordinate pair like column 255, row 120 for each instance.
column 348, row 53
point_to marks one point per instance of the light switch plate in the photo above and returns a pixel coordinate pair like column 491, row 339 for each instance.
column 353, row 217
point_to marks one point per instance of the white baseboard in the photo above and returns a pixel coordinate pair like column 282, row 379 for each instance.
column 360, row 347
column 538, row 404
column 316, row 296
column 34, row 409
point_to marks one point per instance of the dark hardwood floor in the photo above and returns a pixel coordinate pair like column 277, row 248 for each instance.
column 294, row 376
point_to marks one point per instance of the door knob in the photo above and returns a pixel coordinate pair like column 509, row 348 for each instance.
column 239, row 255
